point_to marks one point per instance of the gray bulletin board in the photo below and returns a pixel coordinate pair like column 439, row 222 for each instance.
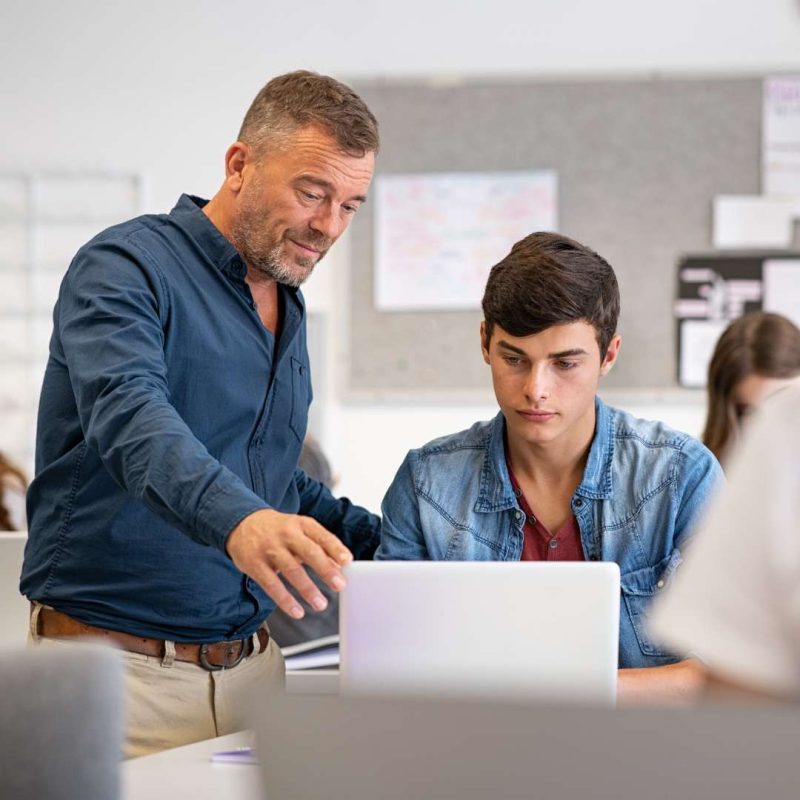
column 638, row 164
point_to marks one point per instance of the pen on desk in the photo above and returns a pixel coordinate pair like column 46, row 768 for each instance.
column 239, row 755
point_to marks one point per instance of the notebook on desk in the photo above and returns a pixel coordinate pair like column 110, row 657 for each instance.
column 515, row 630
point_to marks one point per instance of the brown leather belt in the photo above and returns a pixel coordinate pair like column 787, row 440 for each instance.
column 214, row 656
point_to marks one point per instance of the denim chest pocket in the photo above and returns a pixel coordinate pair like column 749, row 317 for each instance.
column 464, row 544
column 639, row 589
column 301, row 395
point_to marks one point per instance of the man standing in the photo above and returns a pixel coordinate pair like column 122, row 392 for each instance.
column 167, row 502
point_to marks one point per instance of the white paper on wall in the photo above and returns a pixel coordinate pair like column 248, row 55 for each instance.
column 698, row 339
column 782, row 288
column 438, row 234
column 781, row 136
column 752, row 221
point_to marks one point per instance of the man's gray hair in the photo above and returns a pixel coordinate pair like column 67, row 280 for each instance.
column 302, row 98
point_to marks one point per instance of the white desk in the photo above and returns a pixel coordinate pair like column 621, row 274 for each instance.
column 187, row 772
column 312, row 681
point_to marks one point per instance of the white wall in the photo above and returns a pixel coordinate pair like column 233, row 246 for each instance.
column 161, row 85
column 160, row 88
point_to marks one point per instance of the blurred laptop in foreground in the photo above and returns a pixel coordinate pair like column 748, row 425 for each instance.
column 318, row 748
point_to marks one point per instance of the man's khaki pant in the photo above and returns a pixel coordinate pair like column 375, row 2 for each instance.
column 169, row 703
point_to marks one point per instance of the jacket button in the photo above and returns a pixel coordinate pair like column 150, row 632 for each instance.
column 578, row 502
column 593, row 557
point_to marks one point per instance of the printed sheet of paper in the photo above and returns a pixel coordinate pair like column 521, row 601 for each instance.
column 437, row 235
column 782, row 288
column 781, row 136
column 753, row 221
column 698, row 339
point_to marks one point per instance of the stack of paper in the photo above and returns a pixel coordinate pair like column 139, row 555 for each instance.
column 323, row 652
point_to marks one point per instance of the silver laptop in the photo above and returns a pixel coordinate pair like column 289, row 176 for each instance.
column 513, row 630
column 14, row 607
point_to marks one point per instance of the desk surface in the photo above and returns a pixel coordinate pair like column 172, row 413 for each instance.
column 312, row 681
column 187, row 772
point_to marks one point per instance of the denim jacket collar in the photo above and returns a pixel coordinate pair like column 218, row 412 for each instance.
column 596, row 483
column 496, row 493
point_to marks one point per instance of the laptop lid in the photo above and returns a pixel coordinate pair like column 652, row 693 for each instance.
column 61, row 722
column 481, row 629
column 318, row 748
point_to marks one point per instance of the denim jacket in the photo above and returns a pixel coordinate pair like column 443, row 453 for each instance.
column 641, row 491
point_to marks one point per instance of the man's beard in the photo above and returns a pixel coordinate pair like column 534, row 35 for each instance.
column 268, row 256
column 261, row 252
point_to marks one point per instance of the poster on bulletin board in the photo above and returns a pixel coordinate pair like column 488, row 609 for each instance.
column 780, row 149
column 437, row 235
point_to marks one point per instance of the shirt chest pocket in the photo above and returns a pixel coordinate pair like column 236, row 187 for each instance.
column 301, row 398
column 639, row 588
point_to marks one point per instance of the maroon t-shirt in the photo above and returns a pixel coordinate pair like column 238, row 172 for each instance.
column 541, row 545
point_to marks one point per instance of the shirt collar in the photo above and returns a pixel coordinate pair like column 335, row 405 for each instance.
column 596, row 482
column 188, row 213
column 497, row 493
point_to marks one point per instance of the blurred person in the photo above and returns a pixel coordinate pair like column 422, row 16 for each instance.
column 168, row 505
column 13, row 484
column 755, row 355
column 558, row 474
column 736, row 601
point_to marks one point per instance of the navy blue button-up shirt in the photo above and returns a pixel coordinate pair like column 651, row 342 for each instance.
column 168, row 413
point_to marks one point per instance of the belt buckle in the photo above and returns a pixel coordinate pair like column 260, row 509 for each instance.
column 207, row 665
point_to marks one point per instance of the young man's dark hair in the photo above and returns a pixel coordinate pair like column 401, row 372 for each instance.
column 546, row 280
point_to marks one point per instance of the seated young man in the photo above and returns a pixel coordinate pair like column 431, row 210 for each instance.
column 557, row 474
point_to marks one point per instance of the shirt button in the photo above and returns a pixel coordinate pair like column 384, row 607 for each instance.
column 552, row 544
column 660, row 584
column 518, row 515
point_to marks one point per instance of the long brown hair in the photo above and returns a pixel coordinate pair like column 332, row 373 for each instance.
column 758, row 343
column 16, row 475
